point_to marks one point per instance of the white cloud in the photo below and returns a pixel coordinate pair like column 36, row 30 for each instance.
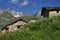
column 24, row 3
column 14, row 1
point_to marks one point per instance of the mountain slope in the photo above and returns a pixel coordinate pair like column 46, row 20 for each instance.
column 38, row 14
column 15, row 14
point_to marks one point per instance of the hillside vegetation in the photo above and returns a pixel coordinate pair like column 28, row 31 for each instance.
column 43, row 29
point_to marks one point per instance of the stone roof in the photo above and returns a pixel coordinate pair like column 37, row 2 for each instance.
column 51, row 8
column 13, row 23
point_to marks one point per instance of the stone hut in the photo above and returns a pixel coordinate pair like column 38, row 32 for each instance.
column 50, row 11
column 14, row 25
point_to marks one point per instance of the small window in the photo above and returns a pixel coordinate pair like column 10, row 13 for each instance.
column 6, row 28
column 19, row 26
column 57, row 11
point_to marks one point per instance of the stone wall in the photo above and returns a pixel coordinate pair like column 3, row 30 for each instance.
column 32, row 21
column 53, row 13
column 14, row 26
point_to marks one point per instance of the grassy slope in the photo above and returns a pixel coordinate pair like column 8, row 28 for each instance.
column 43, row 29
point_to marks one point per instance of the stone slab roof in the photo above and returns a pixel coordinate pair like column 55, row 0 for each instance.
column 51, row 8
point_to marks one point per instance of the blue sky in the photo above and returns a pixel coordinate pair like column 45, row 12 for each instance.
column 27, row 6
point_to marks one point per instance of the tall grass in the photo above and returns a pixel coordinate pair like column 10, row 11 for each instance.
column 43, row 29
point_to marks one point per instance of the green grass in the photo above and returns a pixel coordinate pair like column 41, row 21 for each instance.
column 43, row 29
